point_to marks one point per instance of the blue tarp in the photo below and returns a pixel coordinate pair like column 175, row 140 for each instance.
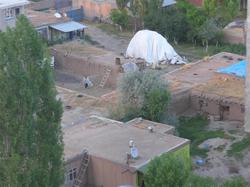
column 239, row 69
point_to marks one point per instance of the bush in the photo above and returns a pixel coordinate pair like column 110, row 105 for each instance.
column 120, row 17
column 142, row 94
column 197, row 181
column 210, row 32
column 235, row 182
column 166, row 170
column 155, row 104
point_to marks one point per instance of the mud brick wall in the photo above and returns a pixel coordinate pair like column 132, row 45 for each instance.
column 211, row 105
column 85, row 66
column 180, row 101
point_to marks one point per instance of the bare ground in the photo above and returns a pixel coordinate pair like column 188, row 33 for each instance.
column 110, row 42
column 74, row 82
column 218, row 164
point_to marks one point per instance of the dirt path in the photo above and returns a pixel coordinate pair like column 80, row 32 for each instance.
column 108, row 41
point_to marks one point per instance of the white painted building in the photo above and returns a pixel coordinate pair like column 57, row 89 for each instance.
column 9, row 10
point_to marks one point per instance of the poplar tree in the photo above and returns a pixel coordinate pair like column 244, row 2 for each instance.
column 31, row 146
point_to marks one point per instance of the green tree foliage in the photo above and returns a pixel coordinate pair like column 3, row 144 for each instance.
column 170, row 22
column 143, row 93
column 210, row 7
column 170, row 170
column 210, row 31
column 235, row 182
column 155, row 104
column 138, row 9
column 31, row 146
column 230, row 8
column 197, row 181
column 167, row 170
column 120, row 17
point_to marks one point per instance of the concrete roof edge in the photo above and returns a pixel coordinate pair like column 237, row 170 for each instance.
column 106, row 119
column 170, row 150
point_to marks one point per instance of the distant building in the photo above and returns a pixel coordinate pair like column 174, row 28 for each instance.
column 55, row 27
column 9, row 10
column 95, row 9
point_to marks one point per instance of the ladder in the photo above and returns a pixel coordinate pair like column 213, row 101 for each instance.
column 105, row 77
column 82, row 169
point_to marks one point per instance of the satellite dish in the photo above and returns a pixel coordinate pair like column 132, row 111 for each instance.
column 134, row 152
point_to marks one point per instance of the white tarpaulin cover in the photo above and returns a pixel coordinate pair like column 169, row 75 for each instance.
column 153, row 48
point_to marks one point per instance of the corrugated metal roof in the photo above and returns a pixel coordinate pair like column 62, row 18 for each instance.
column 69, row 26
column 168, row 3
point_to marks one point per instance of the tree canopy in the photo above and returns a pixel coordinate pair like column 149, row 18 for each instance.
column 167, row 170
column 142, row 94
column 31, row 147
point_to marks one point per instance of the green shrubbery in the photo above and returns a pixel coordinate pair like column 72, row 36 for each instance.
column 170, row 22
column 120, row 17
column 185, row 22
column 170, row 170
column 232, row 48
column 142, row 94
column 194, row 129
column 237, row 148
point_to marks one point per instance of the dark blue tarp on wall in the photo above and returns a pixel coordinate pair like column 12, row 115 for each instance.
column 76, row 14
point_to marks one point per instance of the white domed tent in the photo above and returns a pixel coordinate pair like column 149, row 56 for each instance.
column 153, row 48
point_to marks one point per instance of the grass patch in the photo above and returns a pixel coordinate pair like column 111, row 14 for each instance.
column 196, row 52
column 239, row 147
column 195, row 130
column 112, row 29
column 90, row 40
column 190, row 51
